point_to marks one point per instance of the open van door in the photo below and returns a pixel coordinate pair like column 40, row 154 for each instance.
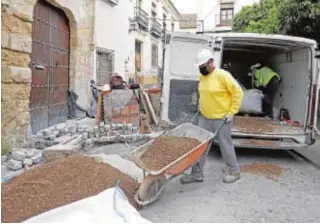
column 316, row 112
column 181, row 76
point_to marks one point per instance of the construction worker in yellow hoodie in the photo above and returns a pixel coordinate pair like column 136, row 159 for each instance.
column 220, row 98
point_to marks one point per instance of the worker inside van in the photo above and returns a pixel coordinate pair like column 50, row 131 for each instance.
column 266, row 80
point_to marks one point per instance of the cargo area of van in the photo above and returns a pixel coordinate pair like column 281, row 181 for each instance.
column 290, row 57
column 291, row 62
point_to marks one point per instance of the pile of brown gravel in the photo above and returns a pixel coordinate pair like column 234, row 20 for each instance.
column 59, row 183
column 254, row 124
column 270, row 171
column 166, row 149
column 258, row 142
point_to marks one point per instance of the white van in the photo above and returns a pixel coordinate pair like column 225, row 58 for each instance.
column 293, row 58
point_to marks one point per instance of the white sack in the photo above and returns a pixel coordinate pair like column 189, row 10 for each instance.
column 110, row 206
column 252, row 101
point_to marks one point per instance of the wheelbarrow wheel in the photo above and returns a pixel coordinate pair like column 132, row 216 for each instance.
column 150, row 187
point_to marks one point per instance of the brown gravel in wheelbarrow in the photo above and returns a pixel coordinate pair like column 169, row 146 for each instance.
column 59, row 183
column 271, row 171
column 166, row 149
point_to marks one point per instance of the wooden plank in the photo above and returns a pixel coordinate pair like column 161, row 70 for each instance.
column 99, row 117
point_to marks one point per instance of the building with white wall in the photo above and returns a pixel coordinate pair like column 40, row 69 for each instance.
column 151, row 18
column 112, row 39
column 128, row 37
column 189, row 23
column 217, row 15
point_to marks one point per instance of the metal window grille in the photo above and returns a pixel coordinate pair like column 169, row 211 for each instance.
column 105, row 66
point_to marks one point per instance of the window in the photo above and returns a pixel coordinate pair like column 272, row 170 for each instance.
column 138, row 57
column 154, row 55
column 153, row 14
column 226, row 14
column 172, row 26
column 105, row 66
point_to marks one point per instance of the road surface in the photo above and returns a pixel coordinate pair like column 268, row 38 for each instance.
column 294, row 197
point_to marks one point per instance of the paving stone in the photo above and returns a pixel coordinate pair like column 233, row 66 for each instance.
column 107, row 127
column 59, row 151
column 49, row 143
column 46, row 132
column 27, row 162
column 18, row 154
column 30, row 153
column 102, row 130
column 80, row 130
column 14, row 164
column 85, row 135
column 77, row 141
column 39, row 135
column 30, row 144
column 40, row 144
column 89, row 142
column 4, row 158
column 64, row 139
column 37, row 158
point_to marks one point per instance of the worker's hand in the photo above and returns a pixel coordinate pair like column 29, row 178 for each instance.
column 229, row 118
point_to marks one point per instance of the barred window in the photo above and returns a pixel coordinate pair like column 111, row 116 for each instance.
column 154, row 55
column 105, row 66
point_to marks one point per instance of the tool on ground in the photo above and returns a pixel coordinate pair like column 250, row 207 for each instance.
column 284, row 117
column 155, row 180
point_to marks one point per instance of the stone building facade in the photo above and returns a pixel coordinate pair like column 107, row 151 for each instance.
column 19, row 48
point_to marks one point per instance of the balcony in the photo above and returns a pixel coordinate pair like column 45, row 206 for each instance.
column 142, row 18
column 155, row 28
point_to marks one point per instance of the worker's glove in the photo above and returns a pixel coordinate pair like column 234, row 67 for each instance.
column 229, row 118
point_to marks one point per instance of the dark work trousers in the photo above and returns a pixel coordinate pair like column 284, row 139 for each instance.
column 269, row 93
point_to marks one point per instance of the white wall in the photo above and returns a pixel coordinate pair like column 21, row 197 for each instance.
column 147, row 39
column 209, row 11
column 111, row 31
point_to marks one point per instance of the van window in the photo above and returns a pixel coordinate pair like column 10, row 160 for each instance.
column 183, row 55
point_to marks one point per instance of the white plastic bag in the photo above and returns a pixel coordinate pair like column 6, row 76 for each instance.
column 252, row 101
column 110, row 206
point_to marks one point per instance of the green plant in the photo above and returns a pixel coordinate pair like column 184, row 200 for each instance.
column 5, row 148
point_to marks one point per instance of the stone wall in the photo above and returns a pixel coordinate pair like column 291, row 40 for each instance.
column 16, row 47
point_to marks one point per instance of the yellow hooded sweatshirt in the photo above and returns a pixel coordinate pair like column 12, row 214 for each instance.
column 220, row 94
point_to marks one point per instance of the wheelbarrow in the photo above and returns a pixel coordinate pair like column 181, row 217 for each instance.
column 155, row 180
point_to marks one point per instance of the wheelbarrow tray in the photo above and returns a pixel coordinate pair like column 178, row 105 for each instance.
column 181, row 164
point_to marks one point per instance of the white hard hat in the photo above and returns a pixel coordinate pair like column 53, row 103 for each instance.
column 203, row 56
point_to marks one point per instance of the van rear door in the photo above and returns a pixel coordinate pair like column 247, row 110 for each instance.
column 180, row 75
column 316, row 93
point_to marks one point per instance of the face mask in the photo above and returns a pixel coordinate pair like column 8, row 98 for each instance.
column 204, row 70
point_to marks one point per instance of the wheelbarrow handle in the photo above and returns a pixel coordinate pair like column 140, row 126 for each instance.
column 219, row 128
column 195, row 116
